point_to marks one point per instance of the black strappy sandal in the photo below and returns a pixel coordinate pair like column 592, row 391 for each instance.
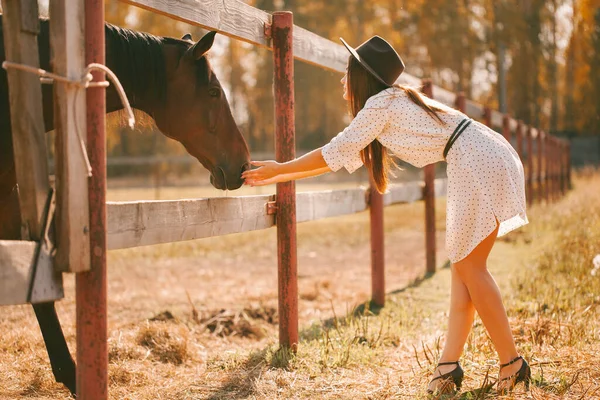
column 455, row 376
column 522, row 375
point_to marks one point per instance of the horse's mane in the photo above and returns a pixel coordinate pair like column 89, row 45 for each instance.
column 139, row 60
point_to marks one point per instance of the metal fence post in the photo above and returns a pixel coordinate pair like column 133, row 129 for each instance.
column 519, row 135
column 487, row 116
column 377, row 246
column 429, row 197
column 540, row 165
column 530, row 175
column 283, row 81
column 506, row 127
column 92, row 348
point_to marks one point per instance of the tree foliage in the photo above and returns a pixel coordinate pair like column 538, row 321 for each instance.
column 548, row 49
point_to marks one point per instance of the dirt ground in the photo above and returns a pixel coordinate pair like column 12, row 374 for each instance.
column 224, row 289
column 197, row 320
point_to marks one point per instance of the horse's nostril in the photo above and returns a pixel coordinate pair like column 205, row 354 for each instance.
column 245, row 167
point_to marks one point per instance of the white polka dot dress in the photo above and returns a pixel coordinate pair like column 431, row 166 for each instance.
column 486, row 181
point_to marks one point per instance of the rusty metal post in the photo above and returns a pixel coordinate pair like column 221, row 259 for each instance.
column 92, row 349
column 377, row 246
column 519, row 135
column 530, row 195
column 285, row 150
column 429, row 197
column 506, row 127
column 553, row 163
column 568, row 165
column 564, row 163
column 461, row 102
column 487, row 116
column 547, row 167
column 540, row 165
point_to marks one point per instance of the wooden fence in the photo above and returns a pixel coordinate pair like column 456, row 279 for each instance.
column 116, row 225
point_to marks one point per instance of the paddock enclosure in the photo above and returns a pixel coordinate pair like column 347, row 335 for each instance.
column 88, row 226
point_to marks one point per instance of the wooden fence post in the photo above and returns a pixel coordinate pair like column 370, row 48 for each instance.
column 72, row 211
column 92, row 334
column 283, row 81
column 530, row 175
column 429, row 197
column 21, row 27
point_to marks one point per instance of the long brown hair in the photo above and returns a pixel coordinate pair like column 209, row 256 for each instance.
column 362, row 85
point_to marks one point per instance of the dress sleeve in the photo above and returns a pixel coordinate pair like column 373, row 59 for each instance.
column 344, row 149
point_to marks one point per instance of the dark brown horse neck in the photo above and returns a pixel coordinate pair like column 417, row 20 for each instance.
column 140, row 62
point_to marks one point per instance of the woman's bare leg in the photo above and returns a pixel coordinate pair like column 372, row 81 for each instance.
column 473, row 286
column 462, row 313
column 487, row 300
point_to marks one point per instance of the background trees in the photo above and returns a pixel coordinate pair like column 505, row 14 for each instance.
column 536, row 59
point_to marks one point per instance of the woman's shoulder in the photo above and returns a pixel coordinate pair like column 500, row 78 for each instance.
column 384, row 98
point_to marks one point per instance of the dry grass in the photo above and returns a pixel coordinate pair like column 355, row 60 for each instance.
column 196, row 320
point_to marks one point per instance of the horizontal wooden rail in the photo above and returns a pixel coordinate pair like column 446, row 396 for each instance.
column 142, row 223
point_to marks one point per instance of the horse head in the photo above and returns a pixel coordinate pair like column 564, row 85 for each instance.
column 196, row 114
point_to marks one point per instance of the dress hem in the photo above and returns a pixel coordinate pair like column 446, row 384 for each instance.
column 506, row 226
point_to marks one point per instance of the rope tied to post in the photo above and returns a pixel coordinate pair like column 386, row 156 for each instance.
column 85, row 82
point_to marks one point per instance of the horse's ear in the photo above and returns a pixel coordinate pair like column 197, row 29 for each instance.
column 187, row 36
column 203, row 45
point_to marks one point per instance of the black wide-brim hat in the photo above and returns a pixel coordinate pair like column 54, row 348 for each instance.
column 379, row 58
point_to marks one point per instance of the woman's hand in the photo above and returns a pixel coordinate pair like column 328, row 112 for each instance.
column 267, row 174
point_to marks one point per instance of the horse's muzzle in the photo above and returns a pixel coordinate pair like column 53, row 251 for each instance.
column 224, row 179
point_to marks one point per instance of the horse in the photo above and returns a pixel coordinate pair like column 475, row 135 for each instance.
column 169, row 79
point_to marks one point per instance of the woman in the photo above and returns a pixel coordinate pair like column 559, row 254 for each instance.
column 485, row 197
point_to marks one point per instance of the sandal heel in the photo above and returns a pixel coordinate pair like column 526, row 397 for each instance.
column 455, row 376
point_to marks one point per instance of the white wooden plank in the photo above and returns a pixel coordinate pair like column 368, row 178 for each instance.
column 230, row 17
column 72, row 212
column 404, row 193
column 16, row 259
column 441, row 187
column 474, row 110
column 20, row 26
column 314, row 49
column 496, row 119
column 444, row 96
column 132, row 224
column 331, row 203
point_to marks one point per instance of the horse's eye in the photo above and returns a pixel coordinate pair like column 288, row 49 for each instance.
column 214, row 92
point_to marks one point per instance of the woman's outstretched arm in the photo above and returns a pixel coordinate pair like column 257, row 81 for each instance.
column 310, row 164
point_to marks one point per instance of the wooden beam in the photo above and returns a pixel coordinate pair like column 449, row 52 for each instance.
column 72, row 212
column 230, row 17
column 331, row 203
column 132, row 224
column 16, row 259
column 21, row 26
column 143, row 223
